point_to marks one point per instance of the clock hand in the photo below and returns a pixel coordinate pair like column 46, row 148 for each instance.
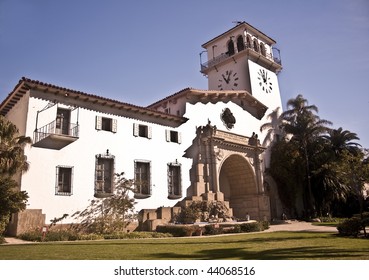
column 229, row 76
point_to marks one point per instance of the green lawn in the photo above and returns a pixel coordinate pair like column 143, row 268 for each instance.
column 257, row 246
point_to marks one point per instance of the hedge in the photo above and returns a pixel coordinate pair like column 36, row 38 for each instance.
column 212, row 229
column 180, row 230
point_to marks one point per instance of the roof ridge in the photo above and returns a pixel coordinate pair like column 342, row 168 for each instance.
column 14, row 96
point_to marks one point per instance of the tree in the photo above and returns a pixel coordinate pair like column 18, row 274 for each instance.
column 330, row 189
column 109, row 214
column 353, row 171
column 340, row 140
column 12, row 160
column 11, row 201
column 288, row 173
column 325, row 167
column 306, row 127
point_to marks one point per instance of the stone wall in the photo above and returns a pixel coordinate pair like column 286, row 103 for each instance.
column 26, row 220
column 149, row 219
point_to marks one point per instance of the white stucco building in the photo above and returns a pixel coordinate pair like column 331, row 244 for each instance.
column 191, row 145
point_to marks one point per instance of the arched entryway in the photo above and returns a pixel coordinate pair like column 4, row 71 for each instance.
column 238, row 184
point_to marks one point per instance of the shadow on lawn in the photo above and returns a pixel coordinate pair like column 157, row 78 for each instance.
column 296, row 253
column 247, row 251
column 268, row 246
column 241, row 238
column 207, row 240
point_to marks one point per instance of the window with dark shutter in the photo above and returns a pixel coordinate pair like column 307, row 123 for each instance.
column 140, row 130
column 106, row 124
column 173, row 136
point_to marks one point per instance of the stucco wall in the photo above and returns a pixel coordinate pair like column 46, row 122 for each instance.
column 40, row 180
column 18, row 114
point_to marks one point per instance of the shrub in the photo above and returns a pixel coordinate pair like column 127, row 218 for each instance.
column 250, row 227
column 161, row 235
column 178, row 230
column 70, row 235
column 328, row 219
column 233, row 229
column 212, row 230
column 109, row 214
column 91, row 236
column 136, row 235
column 264, row 225
column 52, row 235
column 61, row 235
column 31, row 235
column 203, row 211
column 350, row 227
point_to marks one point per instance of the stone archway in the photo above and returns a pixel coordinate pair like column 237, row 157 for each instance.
column 237, row 183
column 226, row 168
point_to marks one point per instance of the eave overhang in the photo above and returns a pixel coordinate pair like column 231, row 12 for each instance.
column 89, row 101
column 241, row 97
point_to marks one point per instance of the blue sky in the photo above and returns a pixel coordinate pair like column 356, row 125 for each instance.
column 141, row 51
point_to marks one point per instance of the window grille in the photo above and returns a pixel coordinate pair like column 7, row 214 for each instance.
column 174, row 181
column 64, row 180
column 142, row 180
column 104, row 175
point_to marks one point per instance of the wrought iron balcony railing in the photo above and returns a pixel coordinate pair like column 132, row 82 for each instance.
column 224, row 56
column 55, row 135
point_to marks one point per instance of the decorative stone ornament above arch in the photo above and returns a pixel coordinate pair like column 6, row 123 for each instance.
column 228, row 119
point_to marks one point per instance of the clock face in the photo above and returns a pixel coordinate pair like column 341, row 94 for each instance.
column 228, row 80
column 264, row 81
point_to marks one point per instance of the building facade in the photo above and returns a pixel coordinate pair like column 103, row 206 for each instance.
column 192, row 145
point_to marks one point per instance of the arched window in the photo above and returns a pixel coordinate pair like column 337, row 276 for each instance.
column 230, row 48
column 240, row 44
column 248, row 41
column 256, row 46
column 262, row 49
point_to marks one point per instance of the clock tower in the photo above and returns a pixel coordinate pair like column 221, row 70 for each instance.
column 243, row 58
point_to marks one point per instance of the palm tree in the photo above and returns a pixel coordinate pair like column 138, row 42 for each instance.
column 305, row 127
column 330, row 180
column 12, row 158
column 340, row 140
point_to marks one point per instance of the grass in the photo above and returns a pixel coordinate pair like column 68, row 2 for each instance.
column 260, row 246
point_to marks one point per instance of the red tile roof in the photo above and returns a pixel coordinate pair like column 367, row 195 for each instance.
column 26, row 84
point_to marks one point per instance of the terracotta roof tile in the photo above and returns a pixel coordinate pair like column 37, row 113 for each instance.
column 25, row 84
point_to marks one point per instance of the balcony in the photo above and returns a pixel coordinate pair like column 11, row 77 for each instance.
column 273, row 61
column 55, row 135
